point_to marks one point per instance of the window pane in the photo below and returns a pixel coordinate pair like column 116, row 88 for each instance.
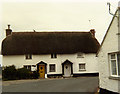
column 52, row 68
column 118, row 56
column 80, row 55
column 53, row 55
column 112, row 56
column 25, row 67
column 81, row 66
column 29, row 67
column 28, row 56
column 113, row 66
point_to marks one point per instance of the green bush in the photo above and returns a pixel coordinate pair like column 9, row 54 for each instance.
column 35, row 75
column 23, row 73
column 11, row 73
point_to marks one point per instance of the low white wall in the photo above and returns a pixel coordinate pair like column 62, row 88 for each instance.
column 89, row 59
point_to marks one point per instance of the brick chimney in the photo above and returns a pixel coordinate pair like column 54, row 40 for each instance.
column 92, row 31
column 8, row 31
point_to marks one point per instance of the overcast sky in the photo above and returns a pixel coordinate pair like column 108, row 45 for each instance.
column 62, row 15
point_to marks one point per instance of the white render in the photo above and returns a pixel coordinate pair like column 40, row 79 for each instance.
column 109, row 45
column 89, row 59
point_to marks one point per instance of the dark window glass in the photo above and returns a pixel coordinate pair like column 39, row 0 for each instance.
column 112, row 56
column 80, row 55
column 118, row 56
column 28, row 56
column 52, row 67
column 29, row 68
column 114, row 70
column 53, row 55
column 25, row 67
column 82, row 66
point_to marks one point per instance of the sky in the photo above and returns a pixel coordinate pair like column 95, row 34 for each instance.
column 56, row 15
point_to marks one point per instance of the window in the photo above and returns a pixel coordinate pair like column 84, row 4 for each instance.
column 52, row 67
column 82, row 66
column 53, row 55
column 80, row 55
column 27, row 67
column 28, row 56
column 115, row 64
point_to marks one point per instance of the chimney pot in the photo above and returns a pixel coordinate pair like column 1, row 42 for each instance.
column 8, row 26
column 8, row 31
column 92, row 31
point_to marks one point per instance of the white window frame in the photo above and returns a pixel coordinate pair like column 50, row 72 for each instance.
column 49, row 67
column 116, row 59
column 80, row 55
column 28, row 66
column 53, row 56
column 82, row 69
column 28, row 56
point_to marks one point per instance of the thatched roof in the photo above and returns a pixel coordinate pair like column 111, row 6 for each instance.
column 19, row 43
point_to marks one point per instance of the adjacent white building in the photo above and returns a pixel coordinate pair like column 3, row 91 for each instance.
column 109, row 58
column 52, row 53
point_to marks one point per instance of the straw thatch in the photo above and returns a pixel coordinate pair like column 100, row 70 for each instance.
column 19, row 43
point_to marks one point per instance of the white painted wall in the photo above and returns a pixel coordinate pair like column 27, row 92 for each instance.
column 109, row 45
column 89, row 59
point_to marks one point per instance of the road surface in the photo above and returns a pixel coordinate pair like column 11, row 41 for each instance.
column 81, row 84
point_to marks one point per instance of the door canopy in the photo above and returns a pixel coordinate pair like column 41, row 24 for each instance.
column 67, row 62
column 41, row 63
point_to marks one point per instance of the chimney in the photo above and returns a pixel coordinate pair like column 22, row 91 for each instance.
column 92, row 31
column 8, row 31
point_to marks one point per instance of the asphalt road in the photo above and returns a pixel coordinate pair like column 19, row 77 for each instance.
column 81, row 84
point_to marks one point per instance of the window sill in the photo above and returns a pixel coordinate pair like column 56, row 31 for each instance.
column 114, row 78
column 80, row 57
column 51, row 71
column 83, row 70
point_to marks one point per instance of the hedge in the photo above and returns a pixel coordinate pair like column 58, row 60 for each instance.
column 11, row 73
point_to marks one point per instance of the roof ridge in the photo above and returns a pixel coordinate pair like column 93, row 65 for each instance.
column 54, row 32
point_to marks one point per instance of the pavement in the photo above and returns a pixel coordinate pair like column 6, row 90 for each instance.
column 81, row 84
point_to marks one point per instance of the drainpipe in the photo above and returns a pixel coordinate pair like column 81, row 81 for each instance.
column 119, row 26
column 119, row 38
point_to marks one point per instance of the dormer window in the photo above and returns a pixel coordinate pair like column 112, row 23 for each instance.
column 53, row 55
column 80, row 55
column 28, row 56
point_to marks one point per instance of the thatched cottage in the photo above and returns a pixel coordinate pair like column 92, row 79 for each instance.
column 52, row 53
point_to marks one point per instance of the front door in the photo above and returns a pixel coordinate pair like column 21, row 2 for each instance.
column 67, row 70
column 42, row 71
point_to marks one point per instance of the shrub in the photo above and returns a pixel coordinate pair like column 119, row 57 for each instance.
column 9, row 73
column 23, row 73
column 35, row 75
